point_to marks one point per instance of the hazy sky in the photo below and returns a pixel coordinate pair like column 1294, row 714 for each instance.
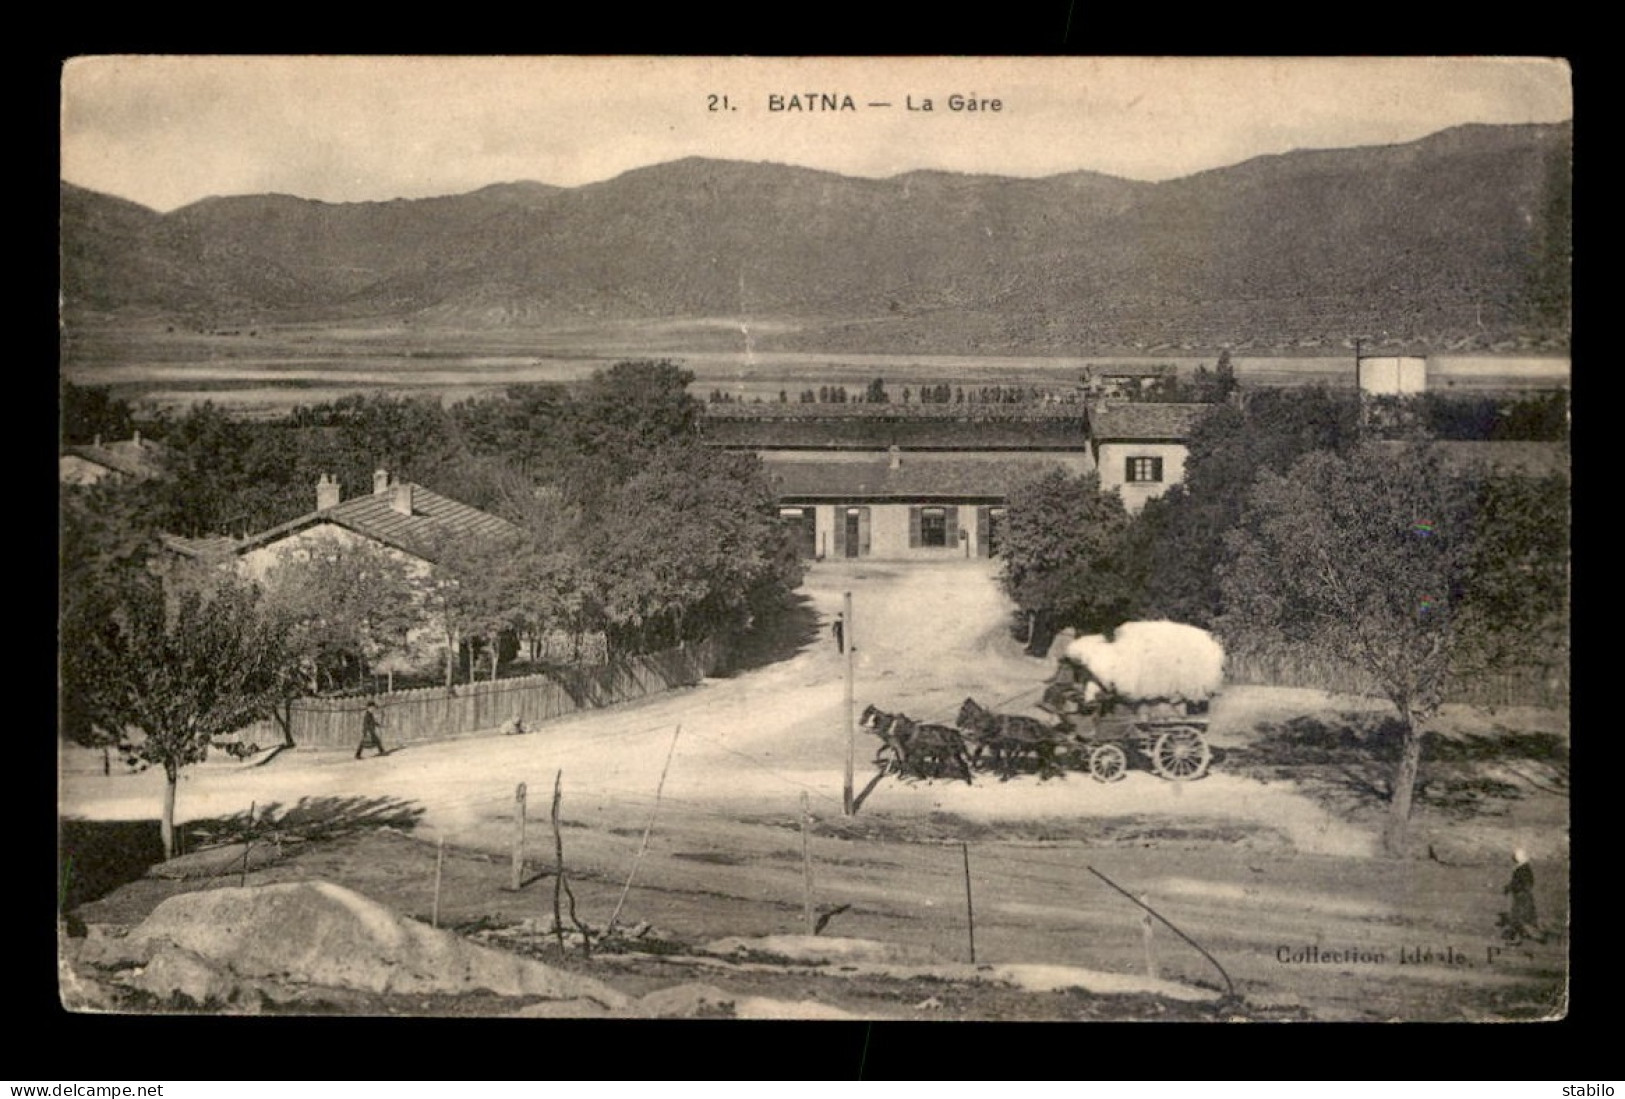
column 165, row 131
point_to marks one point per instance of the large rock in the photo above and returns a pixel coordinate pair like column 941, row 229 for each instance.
column 175, row 971
column 318, row 933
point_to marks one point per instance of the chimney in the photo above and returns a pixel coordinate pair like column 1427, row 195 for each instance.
column 401, row 500
column 896, row 456
column 380, row 481
column 328, row 493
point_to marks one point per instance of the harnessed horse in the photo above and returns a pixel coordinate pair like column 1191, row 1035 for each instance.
column 918, row 749
column 1010, row 737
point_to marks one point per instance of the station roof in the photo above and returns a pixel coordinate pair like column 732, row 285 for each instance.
column 987, row 480
column 1145, row 421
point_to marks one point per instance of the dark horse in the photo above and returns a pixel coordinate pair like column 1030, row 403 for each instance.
column 917, row 749
column 1008, row 738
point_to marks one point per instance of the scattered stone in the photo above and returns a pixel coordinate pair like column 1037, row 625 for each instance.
column 687, row 1001
column 566, row 1009
column 819, row 948
column 79, row 991
column 758, row 1007
column 104, row 948
column 930, row 1003
column 177, row 972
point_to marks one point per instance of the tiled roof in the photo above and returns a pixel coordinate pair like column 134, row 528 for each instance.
column 133, row 459
column 948, row 479
column 200, row 547
column 871, row 434
column 435, row 522
column 1144, row 420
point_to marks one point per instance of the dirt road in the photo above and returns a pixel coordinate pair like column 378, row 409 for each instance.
column 1259, row 873
column 925, row 638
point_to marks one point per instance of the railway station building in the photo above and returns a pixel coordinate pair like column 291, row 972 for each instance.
column 895, row 484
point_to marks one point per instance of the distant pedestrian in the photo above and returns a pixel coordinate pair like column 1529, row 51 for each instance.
column 838, row 627
column 370, row 724
column 1520, row 923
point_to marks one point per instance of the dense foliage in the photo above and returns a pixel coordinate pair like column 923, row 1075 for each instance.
column 1182, row 535
column 625, row 523
column 164, row 665
column 1065, row 559
column 1418, row 573
column 89, row 412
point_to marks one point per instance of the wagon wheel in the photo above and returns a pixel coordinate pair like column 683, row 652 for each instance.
column 1181, row 755
column 1108, row 763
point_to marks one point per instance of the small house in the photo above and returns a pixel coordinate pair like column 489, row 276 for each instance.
column 1140, row 448
column 406, row 521
column 117, row 462
column 1125, row 381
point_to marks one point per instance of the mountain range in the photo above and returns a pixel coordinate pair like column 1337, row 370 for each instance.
column 1460, row 236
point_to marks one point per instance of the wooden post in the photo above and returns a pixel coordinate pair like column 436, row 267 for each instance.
column 516, row 877
column 1147, row 933
column 970, row 911
column 562, row 884
column 248, row 841
column 643, row 844
column 848, row 638
column 806, row 870
column 439, row 862
column 558, row 874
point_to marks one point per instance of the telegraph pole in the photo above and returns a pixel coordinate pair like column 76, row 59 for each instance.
column 851, row 726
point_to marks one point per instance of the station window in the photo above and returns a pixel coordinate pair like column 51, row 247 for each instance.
column 933, row 526
column 1143, row 470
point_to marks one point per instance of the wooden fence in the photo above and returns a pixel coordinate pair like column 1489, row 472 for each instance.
column 432, row 713
column 1514, row 686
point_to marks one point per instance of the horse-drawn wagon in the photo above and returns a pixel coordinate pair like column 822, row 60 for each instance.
column 1137, row 699
column 1143, row 695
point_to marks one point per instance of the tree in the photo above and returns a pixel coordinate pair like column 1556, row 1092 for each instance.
column 690, row 546
column 876, row 393
column 89, row 411
column 618, row 419
column 105, row 535
column 1386, row 558
column 476, row 591
column 1182, row 534
column 177, row 663
column 1224, row 375
column 343, row 606
column 1064, row 556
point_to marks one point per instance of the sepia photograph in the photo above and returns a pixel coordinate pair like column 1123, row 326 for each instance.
column 815, row 538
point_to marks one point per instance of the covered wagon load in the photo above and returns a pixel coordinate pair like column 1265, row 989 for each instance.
column 1149, row 662
column 1143, row 688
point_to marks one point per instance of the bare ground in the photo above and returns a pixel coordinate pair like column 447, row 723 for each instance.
column 1258, row 866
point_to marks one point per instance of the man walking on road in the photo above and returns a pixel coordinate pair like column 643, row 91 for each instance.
column 839, row 629
column 370, row 724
